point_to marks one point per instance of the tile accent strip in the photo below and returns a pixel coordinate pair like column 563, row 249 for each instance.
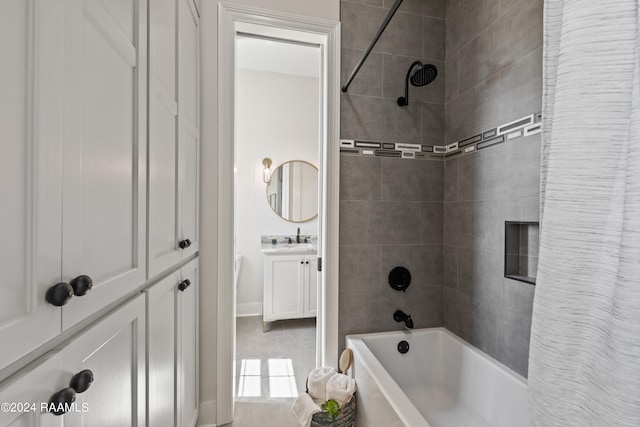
column 490, row 133
column 349, row 150
column 388, row 153
column 520, row 128
column 516, row 124
column 367, row 144
column 473, row 139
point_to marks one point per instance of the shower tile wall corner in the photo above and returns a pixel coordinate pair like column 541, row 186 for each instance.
column 391, row 210
column 494, row 76
column 444, row 220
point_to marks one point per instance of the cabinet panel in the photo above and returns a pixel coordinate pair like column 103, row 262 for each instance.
column 174, row 157
column 283, row 296
column 104, row 154
column 35, row 385
column 114, row 351
column 189, row 59
column 190, row 189
column 188, row 356
column 162, row 44
column 161, row 332
column 164, row 217
column 163, row 183
column 31, row 39
column 188, row 110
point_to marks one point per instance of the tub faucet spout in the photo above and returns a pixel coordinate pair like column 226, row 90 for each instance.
column 401, row 316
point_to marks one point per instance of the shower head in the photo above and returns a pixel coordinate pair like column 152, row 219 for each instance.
column 418, row 75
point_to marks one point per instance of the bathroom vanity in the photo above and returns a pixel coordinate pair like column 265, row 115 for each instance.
column 290, row 286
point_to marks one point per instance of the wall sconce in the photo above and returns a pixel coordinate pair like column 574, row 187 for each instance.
column 266, row 174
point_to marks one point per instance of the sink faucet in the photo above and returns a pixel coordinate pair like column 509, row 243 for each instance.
column 298, row 236
column 401, row 316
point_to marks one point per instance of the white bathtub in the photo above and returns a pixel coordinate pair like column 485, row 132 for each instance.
column 442, row 381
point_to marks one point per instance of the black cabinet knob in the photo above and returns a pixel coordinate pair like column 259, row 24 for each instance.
column 82, row 381
column 184, row 244
column 307, row 262
column 184, row 285
column 59, row 294
column 61, row 401
column 81, row 285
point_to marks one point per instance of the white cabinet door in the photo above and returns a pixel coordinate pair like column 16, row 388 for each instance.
column 172, row 352
column 161, row 354
column 188, row 353
column 164, row 221
column 188, row 124
column 174, row 152
column 311, row 287
column 104, row 170
column 31, row 42
column 35, row 385
column 113, row 350
column 283, row 290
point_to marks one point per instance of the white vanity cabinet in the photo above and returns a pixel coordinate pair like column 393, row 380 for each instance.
column 73, row 162
column 113, row 351
column 290, row 286
column 172, row 352
column 174, row 149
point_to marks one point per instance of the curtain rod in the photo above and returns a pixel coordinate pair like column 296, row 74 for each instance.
column 392, row 12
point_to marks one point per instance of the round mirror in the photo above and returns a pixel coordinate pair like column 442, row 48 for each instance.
column 292, row 191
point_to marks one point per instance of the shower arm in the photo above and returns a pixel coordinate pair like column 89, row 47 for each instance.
column 406, row 81
column 392, row 12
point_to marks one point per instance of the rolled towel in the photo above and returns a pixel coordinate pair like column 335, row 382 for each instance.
column 304, row 407
column 317, row 383
column 340, row 387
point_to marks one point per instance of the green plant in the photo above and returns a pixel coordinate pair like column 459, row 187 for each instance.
column 331, row 409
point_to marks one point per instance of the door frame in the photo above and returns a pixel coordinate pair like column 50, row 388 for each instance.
column 233, row 18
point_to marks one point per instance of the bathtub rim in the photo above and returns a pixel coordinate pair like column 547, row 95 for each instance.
column 397, row 398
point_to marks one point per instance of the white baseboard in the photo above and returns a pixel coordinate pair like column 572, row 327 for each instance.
column 207, row 416
column 249, row 309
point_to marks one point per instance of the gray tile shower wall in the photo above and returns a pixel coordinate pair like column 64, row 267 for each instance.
column 443, row 219
column 391, row 210
column 494, row 76
column 369, row 110
column 390, row 215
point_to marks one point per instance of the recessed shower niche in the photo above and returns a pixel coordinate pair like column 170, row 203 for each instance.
column 521, row 250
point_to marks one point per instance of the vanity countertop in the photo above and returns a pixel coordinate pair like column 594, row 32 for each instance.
column 289, row 248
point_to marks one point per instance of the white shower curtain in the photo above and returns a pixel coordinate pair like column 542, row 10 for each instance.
column 584, row 363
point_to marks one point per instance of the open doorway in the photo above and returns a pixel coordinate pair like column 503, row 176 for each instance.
column 234, row 21
column 276, row 203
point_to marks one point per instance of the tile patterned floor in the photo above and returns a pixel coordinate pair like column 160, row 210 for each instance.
column 268, row 371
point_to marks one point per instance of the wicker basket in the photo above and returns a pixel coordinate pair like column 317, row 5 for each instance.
column 346, row 419
column 347, row 416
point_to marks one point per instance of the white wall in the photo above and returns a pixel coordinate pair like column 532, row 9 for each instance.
column 326, row 9
column 277, row 116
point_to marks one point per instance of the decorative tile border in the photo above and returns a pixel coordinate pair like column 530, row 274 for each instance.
column 521, row 128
